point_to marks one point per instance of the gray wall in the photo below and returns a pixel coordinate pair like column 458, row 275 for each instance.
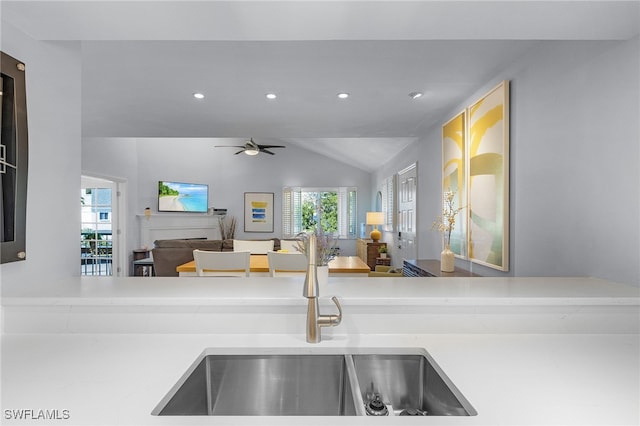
column 575, row 150
column 53, row 214
column 144, row 161
column 575, row 204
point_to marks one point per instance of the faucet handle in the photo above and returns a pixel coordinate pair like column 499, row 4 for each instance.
column 336, row 319
column 337, row 302
column 331, row 320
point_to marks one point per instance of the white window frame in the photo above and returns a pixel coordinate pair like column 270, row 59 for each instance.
column 118, row 212
column 347, row 211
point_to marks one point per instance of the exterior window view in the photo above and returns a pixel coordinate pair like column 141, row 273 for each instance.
column 320, row 208
column 96, row 242
column 316, row 212
column 333, row 211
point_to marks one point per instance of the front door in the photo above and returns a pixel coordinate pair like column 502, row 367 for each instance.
column 407, row 191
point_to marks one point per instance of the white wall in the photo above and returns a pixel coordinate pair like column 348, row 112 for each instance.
column 145, row 161
column 575, row 185
column 53, row 194
column 117, row 159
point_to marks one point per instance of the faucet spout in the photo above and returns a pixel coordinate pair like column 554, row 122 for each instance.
column 314, row 319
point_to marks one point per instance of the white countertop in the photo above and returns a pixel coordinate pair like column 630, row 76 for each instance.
column 107, row 350
column 367, row 291
column 276, row 305
column 509, row 379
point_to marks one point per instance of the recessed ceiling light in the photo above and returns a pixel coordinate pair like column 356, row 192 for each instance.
column 343, row 95
column 415, row 95
column 198, row 95
column 271, row 96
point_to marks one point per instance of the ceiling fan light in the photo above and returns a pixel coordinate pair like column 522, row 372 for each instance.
column 252, row 151
column 415, row 95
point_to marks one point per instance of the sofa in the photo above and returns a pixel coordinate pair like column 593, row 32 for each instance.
column 386, row 271
column 169, row 254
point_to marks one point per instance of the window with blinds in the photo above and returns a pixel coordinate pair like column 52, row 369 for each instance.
column 303, row 209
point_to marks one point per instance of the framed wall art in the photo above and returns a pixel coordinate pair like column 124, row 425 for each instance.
column 488, row 178
column 258, row 212
column 475, row 167
column 454, row 177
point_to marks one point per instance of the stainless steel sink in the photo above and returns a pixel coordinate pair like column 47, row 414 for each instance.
column 263, row 385
column 409, row 384
column 318, row 382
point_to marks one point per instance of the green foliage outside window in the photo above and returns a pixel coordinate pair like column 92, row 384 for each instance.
column 329, row 212
column 323, row 206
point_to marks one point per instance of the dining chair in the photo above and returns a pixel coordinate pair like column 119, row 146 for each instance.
column 254, row 247
column 290, row 245
column 222, row 263
column 286, row 264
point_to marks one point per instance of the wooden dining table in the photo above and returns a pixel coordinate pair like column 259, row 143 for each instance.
column 341, row 265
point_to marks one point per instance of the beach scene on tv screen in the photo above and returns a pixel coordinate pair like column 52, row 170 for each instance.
column 182, row 197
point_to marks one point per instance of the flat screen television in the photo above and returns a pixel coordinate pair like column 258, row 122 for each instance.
column 183, row 197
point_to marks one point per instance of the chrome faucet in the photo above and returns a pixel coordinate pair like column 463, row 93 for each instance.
column 310, row 291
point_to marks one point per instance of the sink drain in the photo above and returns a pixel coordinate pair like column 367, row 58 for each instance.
column 376, row 407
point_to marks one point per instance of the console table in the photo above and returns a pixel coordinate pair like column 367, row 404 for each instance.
column 142, row 263
column 385, row 261
column 367, row 250
column 431, row 268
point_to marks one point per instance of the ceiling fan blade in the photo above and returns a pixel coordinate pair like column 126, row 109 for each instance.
column 250, row 145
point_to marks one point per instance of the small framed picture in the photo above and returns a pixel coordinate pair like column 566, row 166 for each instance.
column 258, row 212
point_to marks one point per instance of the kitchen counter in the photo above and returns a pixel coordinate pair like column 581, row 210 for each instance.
column 268, row 305
column 509, row 379
column 406, row 290
column 521, row 350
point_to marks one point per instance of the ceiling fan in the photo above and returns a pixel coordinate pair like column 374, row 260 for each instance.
column 252, row 148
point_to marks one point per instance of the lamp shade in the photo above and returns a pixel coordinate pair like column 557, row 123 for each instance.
column 375, row 218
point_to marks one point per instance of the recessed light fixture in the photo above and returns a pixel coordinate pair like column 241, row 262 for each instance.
column 415, row 95
column 271, row 96
column 198, row 95
column 343, row 95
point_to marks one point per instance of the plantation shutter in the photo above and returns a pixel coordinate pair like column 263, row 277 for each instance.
column 388, row 202
column 291, row 212
column 346, row 212
column 353, row 213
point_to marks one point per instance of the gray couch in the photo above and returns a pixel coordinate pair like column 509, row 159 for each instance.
column 169, row 254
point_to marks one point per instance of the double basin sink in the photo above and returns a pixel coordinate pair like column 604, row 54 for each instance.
column 314, row 382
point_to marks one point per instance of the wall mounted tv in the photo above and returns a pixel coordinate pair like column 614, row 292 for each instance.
column 182, row 197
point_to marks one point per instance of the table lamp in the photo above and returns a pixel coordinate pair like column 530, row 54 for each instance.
column 375, row 219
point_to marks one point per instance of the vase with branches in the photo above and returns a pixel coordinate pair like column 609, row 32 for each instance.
column 325, row 245
column 445, row 224
column 227, row 225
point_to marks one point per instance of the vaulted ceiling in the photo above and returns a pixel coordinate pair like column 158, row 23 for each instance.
column 143, row 60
